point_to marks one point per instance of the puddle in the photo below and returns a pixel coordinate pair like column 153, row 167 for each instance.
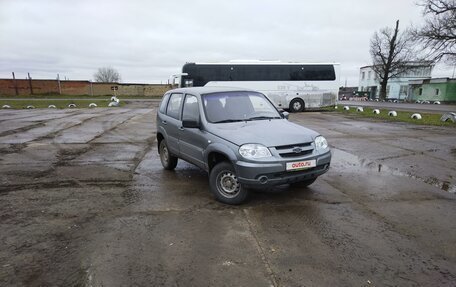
column 342, row 160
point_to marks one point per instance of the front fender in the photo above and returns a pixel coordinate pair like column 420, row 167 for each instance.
column 219, row 148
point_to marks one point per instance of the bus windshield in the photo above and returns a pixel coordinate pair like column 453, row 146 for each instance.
column 226, row 107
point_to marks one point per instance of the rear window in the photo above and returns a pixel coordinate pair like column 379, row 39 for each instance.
column 164, row 103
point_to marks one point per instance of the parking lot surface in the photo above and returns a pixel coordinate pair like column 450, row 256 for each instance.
column 84, row 201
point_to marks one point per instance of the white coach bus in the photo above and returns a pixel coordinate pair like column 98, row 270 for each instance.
column 291, row 86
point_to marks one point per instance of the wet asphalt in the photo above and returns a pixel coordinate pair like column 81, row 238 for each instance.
column 84, row 201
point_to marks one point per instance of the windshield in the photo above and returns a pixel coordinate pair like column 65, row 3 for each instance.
column 238, row 106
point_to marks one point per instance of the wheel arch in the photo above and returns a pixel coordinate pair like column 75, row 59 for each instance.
column 214, row 158
column 217, row 153
column 160, row 137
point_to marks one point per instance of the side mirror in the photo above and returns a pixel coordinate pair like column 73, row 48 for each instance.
column 285, row 115
column 191, row 124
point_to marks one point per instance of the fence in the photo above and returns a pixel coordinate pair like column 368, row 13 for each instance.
column 16, row 87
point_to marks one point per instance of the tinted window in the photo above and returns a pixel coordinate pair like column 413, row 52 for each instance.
column 191, row 111
column 163, row 103
column 199, row 75
column 202, row 74
column 174, row 106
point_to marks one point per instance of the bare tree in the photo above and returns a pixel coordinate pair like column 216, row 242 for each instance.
column 438, row 34
column 107, row 75
column 391, row 52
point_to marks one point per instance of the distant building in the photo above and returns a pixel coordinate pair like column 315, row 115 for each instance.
column 347, row 92
column 439, row 89
column 398, row 87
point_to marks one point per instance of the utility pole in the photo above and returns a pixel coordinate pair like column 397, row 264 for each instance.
column 15, row 84
column 30, row 83
column 58, row 81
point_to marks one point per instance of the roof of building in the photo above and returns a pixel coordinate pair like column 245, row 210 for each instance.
column 432, row 81
column 411, row 63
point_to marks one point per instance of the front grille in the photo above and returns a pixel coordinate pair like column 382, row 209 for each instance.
column 296, row 150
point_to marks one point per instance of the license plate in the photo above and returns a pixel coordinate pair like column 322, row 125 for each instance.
column 299, row 165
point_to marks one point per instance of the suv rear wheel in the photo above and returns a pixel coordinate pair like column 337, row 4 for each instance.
column 225, row 185
column 168, row 161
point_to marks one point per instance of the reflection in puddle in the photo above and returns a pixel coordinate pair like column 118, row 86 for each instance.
column 343, row 161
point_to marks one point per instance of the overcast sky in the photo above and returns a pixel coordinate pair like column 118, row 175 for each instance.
column 147, row 41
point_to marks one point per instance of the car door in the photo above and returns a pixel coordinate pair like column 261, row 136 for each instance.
column 171, row 122
column 192, row 141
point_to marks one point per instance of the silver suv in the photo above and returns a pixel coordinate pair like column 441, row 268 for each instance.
column 239, row 138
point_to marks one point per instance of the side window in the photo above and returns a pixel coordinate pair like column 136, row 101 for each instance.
column 191, row 110
column 174, row 105
column 163, row 103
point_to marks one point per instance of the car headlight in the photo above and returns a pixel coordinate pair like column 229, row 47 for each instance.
column 254, row 151
column 321, row 143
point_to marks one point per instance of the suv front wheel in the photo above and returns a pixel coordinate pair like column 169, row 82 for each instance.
column 225, row 185
column 168, row 161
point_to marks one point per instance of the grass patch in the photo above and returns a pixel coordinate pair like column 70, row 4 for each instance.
column 431, row 119
column 60, row 104
column 56, row 96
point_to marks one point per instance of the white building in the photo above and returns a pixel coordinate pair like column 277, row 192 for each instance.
column 398, row 87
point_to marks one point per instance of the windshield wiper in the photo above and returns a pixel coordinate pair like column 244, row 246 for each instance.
column 261, row 118
column 227, row 121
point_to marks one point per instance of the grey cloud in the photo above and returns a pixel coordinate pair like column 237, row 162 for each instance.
column 147, row 41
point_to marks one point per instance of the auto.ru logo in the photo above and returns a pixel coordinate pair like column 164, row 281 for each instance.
column 300, row 164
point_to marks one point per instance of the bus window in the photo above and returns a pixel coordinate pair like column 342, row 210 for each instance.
column 188, row 83
column 202, row 74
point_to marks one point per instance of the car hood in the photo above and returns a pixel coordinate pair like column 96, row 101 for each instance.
column 267, row 132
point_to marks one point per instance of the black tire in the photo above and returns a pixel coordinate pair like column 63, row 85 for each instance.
column 296, row 105
column 225, row 186
column 168, row 161
column 304, row 183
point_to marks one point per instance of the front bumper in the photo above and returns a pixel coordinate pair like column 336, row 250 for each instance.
column 270, row 174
